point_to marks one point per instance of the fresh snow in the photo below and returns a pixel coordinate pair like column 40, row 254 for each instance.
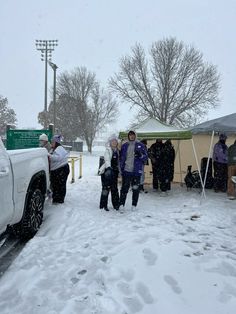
column 173, row 255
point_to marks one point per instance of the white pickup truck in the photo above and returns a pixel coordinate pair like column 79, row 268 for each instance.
column 24, row 177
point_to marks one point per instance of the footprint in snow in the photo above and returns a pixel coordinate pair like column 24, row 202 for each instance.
column 172, row 283
column 74, row 280
column 124, row 287
column 149, row 256
column 144, row 293
column 82, row 272
column 104, row 259
column 227, row 293
column 133, row 304
column 128, row 274
column 190, row 229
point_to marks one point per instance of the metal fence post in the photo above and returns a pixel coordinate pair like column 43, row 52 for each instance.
column 80, row 165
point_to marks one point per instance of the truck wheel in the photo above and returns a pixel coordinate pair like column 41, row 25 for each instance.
column 33, row 216
column 33, row 213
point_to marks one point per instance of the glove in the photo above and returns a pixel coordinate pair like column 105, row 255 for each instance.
column 137, row 154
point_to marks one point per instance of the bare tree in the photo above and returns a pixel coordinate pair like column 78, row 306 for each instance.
column 44, row 118
column 7, row 115
column 174, row 85
column 82, row 107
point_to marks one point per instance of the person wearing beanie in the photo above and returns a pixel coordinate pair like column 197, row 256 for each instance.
column 132, row 157
column 43, row 142
column 231, row 171
column 59, row 170
column 220, row 161
column 109, row 172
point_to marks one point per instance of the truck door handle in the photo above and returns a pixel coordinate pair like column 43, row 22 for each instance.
column 4, row 172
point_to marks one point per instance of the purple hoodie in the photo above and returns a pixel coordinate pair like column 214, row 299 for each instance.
column 138, row 161
column 220, row 153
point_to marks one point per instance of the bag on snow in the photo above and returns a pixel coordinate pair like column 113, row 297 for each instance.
column 192, row 179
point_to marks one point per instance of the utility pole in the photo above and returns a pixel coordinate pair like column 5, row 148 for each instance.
column 54, row 67
column 46, row 47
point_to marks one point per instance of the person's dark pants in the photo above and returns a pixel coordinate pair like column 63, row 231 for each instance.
column 134, row 181
column 164, row 185
column 231, row 184
column 220, row 176
column 105, row 192
column 168, row 185
column 155, row 178
column 58, row 180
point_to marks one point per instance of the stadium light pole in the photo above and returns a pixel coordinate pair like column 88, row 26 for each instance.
column 54, row 67
column 46, row 47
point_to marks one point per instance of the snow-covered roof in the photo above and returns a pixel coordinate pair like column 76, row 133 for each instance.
column 152, row 128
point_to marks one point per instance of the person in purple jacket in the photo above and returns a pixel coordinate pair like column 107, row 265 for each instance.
column 220, row 164
column 132, row 156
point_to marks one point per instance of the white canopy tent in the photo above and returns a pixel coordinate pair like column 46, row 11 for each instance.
column 152, row 128
column 225, row 124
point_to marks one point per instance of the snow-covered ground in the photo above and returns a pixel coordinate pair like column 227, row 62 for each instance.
column 171, row 256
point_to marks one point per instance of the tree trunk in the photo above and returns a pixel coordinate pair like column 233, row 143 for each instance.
column 89, row 145
column 90, row 148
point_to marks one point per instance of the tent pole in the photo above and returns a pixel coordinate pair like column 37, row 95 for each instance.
column 180, row 167
column 209, row 156
column 195, row 155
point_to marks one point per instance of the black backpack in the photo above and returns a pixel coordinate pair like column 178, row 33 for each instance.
column 192, row 179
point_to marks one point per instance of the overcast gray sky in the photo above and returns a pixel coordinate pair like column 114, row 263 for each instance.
column 96, row 33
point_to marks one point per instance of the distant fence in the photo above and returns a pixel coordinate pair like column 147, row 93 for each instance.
column 72, row 161
column 75, row 146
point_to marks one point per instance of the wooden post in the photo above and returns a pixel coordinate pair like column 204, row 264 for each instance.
column 72, row 170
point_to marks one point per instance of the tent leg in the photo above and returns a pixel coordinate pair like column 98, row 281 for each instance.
column 208, row 159
column 195, row 155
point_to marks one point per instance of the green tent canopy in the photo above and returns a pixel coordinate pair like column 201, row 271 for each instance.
column 151, row 129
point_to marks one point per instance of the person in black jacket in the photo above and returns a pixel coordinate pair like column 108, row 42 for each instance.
column 231, row 170
column 154, row 153
column 109, row 174
column 167, row 166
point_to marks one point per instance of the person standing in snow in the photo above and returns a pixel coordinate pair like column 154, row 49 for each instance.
column 43, row 142
column 142, row 179
column 220, row 161
column 167, row 159
column 133, row 155
column 231, row 170
column 155, row 152
column 59, row 170
column 109, row 172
